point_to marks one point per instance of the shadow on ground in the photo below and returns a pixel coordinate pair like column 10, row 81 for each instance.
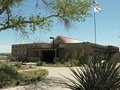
column 52, row 83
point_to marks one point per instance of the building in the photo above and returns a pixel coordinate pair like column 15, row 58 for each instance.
column 59, row 48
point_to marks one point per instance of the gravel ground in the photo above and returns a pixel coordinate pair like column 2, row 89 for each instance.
column 54, row 80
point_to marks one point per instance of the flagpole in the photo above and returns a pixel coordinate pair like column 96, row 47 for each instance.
column 96, row 9
column 95, row 28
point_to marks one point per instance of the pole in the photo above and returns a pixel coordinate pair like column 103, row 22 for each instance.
column 52, row 43
column 95, row 27
column 94, row 36
column 53, row 46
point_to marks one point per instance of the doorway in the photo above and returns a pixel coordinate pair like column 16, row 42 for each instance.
column 48, row 56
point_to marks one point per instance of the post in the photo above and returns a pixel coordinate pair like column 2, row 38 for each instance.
column 53, row 42
column 95, row 27
column 53, row 47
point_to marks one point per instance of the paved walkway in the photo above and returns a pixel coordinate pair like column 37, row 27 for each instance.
column 54, row 81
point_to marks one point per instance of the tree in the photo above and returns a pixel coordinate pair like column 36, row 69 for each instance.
column 65, row 10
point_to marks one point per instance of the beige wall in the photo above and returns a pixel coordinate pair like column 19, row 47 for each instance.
column 72, row 48
column 23, row 51
column 88, row 48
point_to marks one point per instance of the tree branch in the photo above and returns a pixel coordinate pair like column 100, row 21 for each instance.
column 18, row 23
column 46, row 3
column 3, row 9
column 14, row 25
column 5, row 5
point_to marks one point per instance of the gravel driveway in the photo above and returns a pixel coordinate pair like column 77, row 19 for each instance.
column 54, row 80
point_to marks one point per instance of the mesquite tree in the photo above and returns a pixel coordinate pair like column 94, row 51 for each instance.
column 64, row 10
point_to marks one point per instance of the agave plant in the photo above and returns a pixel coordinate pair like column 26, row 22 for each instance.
column 96, row 76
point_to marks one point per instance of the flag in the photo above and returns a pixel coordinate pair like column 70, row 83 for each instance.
column 97, row 9
column 95, row 3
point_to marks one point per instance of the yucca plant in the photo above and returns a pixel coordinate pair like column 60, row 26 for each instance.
column 96, row 75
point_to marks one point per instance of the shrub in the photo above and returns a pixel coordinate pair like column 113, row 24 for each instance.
column 18, row 64
column 57, row 60
column 1, row 63
column 75, row 62
column 8, row 75
column 33, row 76
column 39, row 63
column 71, row 62
column 96, row 76
column 67, row 64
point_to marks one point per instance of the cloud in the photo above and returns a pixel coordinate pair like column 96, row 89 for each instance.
column 5, row 48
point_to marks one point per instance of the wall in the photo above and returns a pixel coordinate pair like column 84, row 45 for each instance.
column 26, row 52
column 71, row 49
column 23, row 51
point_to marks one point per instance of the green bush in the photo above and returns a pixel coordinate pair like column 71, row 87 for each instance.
column 71, row 62
column 75, row 62
column 8, row 76
column 57, row 60
column 96, row 76
column 60, row 60
column 67, row 64
column 1, row 63
column 18, row 64
column 40, row 63
column 33, row 76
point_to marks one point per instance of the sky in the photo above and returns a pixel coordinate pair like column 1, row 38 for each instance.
column 107, row 28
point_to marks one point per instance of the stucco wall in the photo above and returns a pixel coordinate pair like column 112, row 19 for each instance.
column 73, row 48
column 23, row 51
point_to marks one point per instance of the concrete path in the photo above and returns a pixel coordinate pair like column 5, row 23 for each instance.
column 54, row 81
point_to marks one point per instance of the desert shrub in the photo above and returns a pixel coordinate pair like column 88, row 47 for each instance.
column 40, row 63
column 9, row 57
column 65, row 59
column 67, row 64
column 75, row 62
column 18, row 64
column 57, row 60
column 71, row 62
column 60, row 60
column 8, row 76
column 96, row 76
column 34, row 75
column 1, row 63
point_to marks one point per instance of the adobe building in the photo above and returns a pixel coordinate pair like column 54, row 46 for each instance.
column 59, row 48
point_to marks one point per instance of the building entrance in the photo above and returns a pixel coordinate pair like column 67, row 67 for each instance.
column 48, row 56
